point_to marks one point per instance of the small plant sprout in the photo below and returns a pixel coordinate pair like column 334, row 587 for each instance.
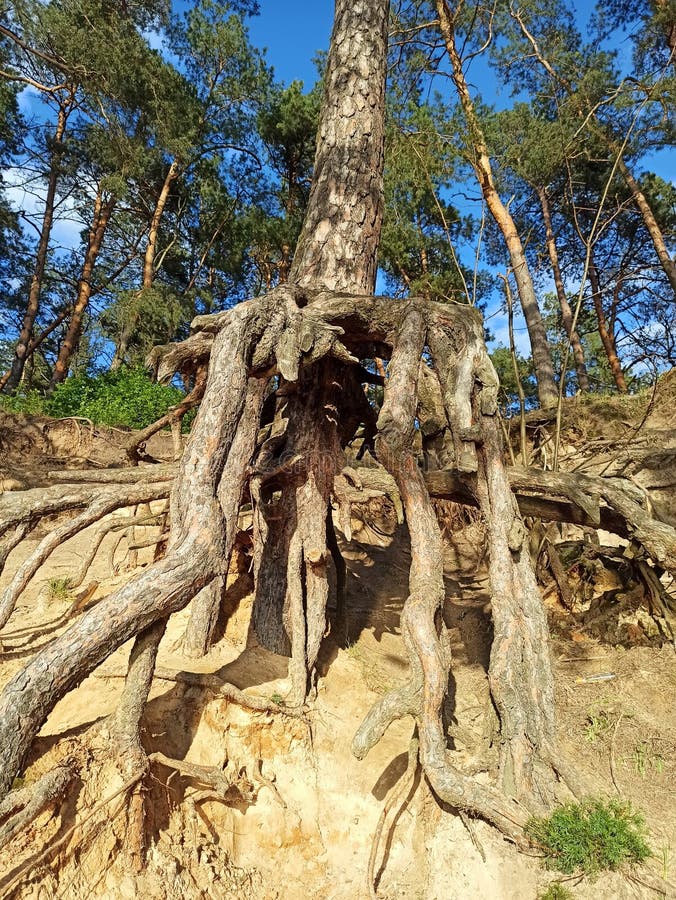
column 598, row 723
column 646, row 759
column 590, row 837
column 59, row 590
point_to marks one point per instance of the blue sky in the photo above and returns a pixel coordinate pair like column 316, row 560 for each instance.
column 293, row 31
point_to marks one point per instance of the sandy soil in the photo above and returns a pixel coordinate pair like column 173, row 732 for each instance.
column 311, row 835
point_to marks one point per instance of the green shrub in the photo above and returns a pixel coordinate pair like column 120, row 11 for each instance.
column 556, row 891
column 127, row 397
column 591, row 836
column 32, row 402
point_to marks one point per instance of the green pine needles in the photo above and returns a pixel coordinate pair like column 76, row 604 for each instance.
column 591, row 836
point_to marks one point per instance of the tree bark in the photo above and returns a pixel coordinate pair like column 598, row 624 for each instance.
column 542, row 355
column 33, row 305
column 206, row 605
column 605, row 333
column 192, row 560
column 338, row 243
column 337, row 251
column 103, row 209
column 650, row 223
column 566, row 311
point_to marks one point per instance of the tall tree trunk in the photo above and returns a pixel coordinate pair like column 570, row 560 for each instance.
column 566, row 311
column 33, row 305
column 338, row 244
column 542, row 354
column 102, row 211
column 148, row 276
column 336, row 250
column 606, row 333
column 650, row 223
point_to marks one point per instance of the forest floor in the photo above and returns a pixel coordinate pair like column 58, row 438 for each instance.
column 310, row 829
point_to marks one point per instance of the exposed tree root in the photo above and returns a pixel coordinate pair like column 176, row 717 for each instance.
column 206, row 605
column 32, row 864
column 396, row 798
column 221, row 689
column 107, row 502
column 20, row 808
column 125, row 731
column 154, row 519
column 290, row 331
column 228, row 784
column 175, row 415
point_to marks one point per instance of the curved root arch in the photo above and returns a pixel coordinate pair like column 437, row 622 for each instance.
column 284, row 438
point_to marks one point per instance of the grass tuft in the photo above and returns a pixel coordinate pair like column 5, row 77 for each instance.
column 59, row 590
column 591, row 836
column 556, row 891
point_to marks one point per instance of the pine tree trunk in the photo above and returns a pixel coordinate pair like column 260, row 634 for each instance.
column 566, row 311
column 336, row 250
column 33, row 305
column 148, row 276
column 540, row 349
column 102, row 212
column 651, row 224
column 605, row 333
column 311, row 335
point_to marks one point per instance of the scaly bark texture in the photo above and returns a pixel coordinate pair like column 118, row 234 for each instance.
column 206, row 606
column 103, row 209
column 338, row 244
column 336, row 250
column 194, row 557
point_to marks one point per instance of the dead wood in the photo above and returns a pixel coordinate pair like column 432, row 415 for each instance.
column 133, row 475
column 591, row 500
column 28, row 507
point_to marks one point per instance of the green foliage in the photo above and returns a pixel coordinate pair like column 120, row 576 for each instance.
column 591, row 836
column 556, row 891
column 127, row 397
column 32, row 402
column 59, row 590
column 501, row 358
